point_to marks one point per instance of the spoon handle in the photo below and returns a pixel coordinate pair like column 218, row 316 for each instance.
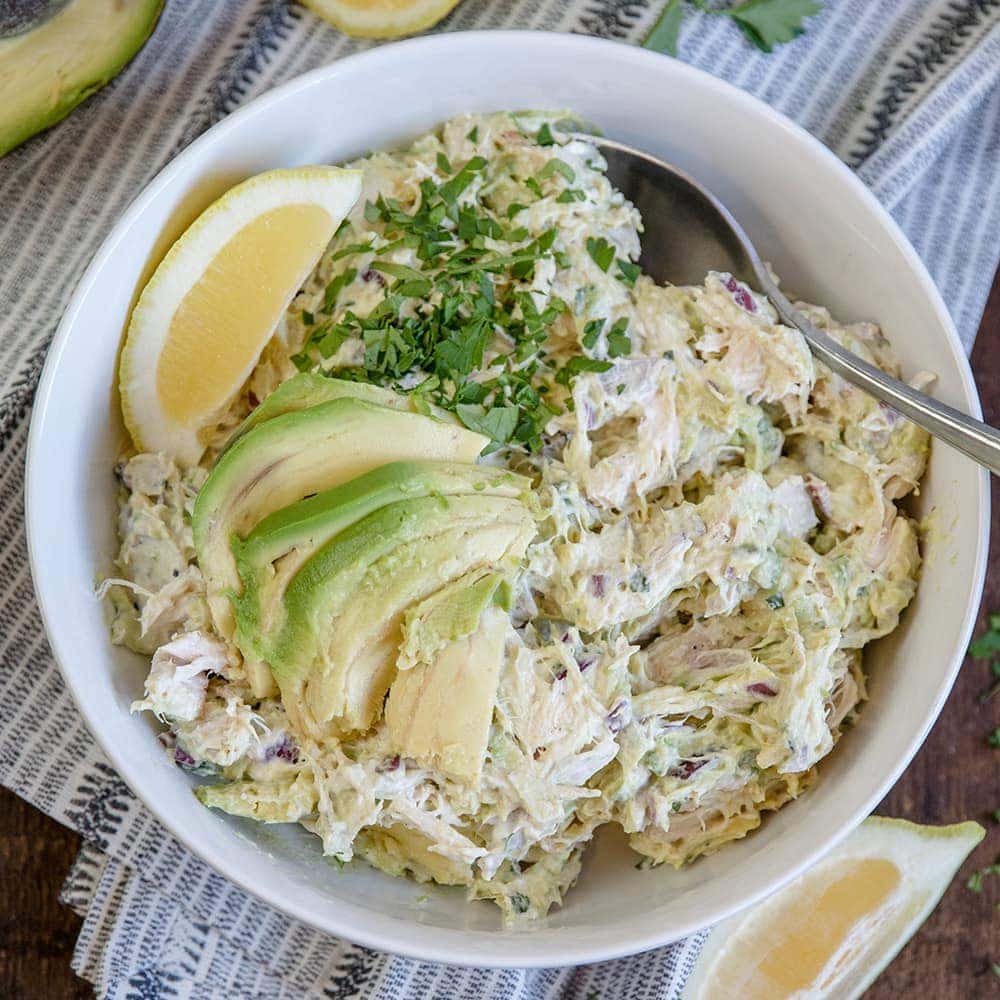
column 971, row 437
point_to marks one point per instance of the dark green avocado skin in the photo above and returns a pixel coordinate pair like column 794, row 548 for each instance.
column 18, row 16
column 124, row 36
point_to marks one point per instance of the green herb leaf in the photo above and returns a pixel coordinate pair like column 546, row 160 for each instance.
column 497, row 423
column 569, row 195
column 402, row 271
column 534, row 187
column 591, row 332
column 443, row 164
column 665, row 33
column 450, row 191
column 628, row 272
column 557, row 166
column 767, row 23
column 335, row 287
column 545, row 136
column 580, row 364
column 473, row 134
column 619, row 343
column 514, row 208
column 352, row 248
column 307, row 317
column 601, row 251
column 994, row 738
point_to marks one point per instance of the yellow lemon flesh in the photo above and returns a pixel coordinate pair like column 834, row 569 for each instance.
column 834, row 929
column 201, row 322
column 382, row 18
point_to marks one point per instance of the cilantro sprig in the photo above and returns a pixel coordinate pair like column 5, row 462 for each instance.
column 764, row 23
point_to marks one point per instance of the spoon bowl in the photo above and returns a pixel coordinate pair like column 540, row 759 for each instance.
column 689, row 232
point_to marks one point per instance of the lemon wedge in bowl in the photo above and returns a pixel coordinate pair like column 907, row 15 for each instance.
column 382, row 18
column 835, row 928
column 214, row 301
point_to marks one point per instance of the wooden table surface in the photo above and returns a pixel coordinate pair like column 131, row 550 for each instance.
column 954, row 777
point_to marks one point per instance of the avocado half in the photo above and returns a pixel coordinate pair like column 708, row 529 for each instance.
column 46, row 72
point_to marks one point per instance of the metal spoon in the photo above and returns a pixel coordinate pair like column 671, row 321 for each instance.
column 689, row 232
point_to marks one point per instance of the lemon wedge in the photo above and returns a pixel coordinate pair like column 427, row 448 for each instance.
column 835, row 928
column 381, row 18
column 201, row 322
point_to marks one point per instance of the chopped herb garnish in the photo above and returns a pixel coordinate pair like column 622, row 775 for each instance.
column 545, row 136
column 570, row 195
column 557, row 166
column 534, row 187
column 628, row 272
column 620, row 388
column 520, row 902
column 514, row 208
column 601, row 251
column 619, row 343
column 591, row 332
column 352, row 248
column 308, row 318
column 335, row 287
column 473, row 134
column 580, row 364
column 450, row 191
column 994, row 738
column 442, row 164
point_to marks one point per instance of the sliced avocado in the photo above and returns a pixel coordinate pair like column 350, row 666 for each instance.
column 398, row 850
column 281, row 543
column 309, row 389
column 292, row 456
column 335, row 656
column 285, row 800
column 48, row 71
column 451, row 613
column 439, row 712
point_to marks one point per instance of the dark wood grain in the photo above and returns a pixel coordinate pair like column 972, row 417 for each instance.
column 954, row 777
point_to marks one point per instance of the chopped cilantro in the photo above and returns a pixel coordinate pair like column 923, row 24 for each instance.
column 628, row 272
column 473, row 134
column 601, row 251
column 545, row 136
column 335, row 287
column 352, row 248
column 514, row 208
column 620, row 388
column 591, row 332
column 534, row 187
column 619, row 343
column 450, row 191
column 557, row 166
column 520, row 902
column 442, row 164
column 308, row 318
column 580, row 364
column 570, row 195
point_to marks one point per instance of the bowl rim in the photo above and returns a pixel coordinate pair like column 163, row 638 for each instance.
column 452, row 945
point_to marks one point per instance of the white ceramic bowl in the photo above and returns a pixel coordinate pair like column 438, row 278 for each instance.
column 829, row 240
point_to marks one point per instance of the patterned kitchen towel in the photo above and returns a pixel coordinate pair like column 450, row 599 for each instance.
column 908, row 93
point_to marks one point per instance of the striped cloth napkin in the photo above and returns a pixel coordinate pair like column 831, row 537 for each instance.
column 907, row 93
